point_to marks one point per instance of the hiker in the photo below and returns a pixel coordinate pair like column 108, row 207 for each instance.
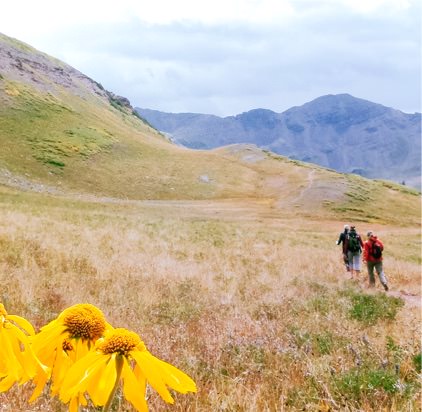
column 342, row 240
column 354, row 245
column 372, row 255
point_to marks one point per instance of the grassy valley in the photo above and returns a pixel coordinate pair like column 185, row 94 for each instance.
column 223, row 261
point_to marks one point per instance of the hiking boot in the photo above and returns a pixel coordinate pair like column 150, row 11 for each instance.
column 385, row 287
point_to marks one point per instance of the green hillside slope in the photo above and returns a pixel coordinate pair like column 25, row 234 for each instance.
column 56, row 124
column 61, row 132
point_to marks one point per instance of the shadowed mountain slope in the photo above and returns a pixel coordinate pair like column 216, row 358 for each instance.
column 337, row 131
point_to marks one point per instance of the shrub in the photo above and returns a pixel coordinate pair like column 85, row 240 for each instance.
column 417, row 362
column 358, row 383
column 53, row 162
column 324, row 343
column 369, row 309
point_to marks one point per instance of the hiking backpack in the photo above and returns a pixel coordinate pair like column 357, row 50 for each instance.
column 376, row 250
column 353, row 244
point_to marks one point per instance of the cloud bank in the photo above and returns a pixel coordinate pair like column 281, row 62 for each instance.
column 226, row 57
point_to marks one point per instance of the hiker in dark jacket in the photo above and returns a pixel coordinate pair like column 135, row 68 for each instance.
column 342, row 241
column 372, row 255
column 354, row 245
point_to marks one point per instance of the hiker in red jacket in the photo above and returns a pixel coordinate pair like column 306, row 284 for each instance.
column 372, row 255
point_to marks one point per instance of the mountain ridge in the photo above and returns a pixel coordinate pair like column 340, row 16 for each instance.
column 341, row 132
column 63, row 135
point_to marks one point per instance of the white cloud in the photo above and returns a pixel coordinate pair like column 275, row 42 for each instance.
column 42, row 16
column 211, row 12
column 228, row 56
column 371, row 6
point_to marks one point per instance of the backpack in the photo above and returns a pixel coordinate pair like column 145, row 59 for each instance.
column 376, row 250
column 353, row 244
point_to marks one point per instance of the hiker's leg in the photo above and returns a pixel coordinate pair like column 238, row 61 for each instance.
column 370, row 266
column 381, row 275
column 355, row 259
column 357, row 265
column 351, row 264
column 346, row 262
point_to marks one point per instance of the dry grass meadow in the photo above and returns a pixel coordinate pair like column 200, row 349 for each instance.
column 223, row 261
column 255, row 306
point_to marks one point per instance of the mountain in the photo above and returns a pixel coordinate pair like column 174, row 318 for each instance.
column 61, row 131
column 63, row 134
column 340, row 132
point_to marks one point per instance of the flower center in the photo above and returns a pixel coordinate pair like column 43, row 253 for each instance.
column 84, row 321
column 121, row 341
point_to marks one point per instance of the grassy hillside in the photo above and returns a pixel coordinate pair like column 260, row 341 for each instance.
column 61, row 132
column 61, row 129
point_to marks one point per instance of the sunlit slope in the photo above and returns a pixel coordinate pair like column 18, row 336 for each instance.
column 61, row 128
column 301, row 189
column 93, row 148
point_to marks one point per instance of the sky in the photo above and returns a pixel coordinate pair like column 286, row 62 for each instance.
column 225, row 57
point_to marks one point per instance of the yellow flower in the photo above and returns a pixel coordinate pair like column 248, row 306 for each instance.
column 122, row 355
column 66, row 339
column 18, row 362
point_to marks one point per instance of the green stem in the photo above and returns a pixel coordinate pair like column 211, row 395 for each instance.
column 119, row 367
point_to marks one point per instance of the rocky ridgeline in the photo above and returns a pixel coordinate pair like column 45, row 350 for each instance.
column 340, row 132
column 22, row 63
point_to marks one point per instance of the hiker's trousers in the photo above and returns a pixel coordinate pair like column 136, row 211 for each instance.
column 378, row 267
column 354, row 260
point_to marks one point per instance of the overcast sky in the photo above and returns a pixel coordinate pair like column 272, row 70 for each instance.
column 226, row 57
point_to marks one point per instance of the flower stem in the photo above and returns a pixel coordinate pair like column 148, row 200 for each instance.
column 119, row 367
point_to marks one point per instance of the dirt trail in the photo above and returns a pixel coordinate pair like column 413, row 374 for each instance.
column 412, row 300
column 7, row 178
column 303, row 192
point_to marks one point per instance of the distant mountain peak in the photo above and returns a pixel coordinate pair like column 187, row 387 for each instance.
column 342, row 102
column 339, row 131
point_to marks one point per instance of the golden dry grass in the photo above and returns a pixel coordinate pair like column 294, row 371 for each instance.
column 246, row 293
column 251, row 301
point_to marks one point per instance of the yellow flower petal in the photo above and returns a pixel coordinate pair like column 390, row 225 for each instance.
column 78, row 376
column 7, row 383
column 62, row 364
column 29, row 365
column 40, row 380
column 10, row 365
column 174, row 377
column 134, row 389
column 22, row 323
column 80, row 348
column 103, row 383
column 74, row 405
column 47, row 340
column 24, row 354
column 152, row 374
